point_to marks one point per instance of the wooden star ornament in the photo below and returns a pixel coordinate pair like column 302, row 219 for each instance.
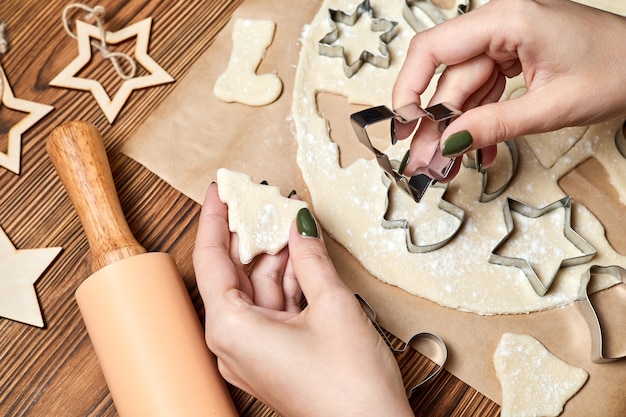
column 112, row 106
column 19, row 270
column 35, row 112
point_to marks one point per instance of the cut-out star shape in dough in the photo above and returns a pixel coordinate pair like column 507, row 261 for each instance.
column 112, row 106
column 585, row 252
column 19, row 270
column 258, row 213
column 35, row 112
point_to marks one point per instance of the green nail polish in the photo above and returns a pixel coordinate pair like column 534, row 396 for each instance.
column 291, row 194
column 457, row 143
column 306, row 223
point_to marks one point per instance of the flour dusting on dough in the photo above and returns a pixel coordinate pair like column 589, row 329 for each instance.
column 535, row 383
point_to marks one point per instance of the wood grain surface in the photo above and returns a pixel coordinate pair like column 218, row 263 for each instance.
column 53, row 371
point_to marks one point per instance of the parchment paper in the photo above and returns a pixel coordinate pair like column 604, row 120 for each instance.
column 192, row 134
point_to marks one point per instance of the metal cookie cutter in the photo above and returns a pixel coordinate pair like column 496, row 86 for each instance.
column 484, row 195
column 405, row 116
column 432, row 12
column 566, row 203
column 441, row 349
column 589, row 313
column 388, row 27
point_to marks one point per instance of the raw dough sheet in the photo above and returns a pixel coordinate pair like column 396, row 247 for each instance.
column 192, row 134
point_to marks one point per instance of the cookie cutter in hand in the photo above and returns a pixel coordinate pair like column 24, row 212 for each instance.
column 404, row 121
column 441, row 349
column 591, row 317
column 389, row 28
column 588, row 251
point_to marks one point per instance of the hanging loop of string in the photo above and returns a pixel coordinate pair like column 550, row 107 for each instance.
column 97, row 14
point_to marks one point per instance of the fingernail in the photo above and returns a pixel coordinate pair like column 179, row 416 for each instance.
column 306, row 223
column 457, row 143
column 479, row 160
column 404, row 162
column 291, row 194
column 264, row 182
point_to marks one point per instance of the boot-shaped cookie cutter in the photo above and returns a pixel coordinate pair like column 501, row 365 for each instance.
column 590, row 315
column 588, row 251
column 441, row 354
column 388, row 27
column 406, row 116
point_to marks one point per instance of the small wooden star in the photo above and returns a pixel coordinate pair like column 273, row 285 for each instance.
column 36, row 111
column 112, row 106
column 19, row 270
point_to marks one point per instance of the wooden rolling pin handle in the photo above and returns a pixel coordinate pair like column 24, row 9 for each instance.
column 77, row 152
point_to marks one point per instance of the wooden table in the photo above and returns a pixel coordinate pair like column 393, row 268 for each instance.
column 53, row 371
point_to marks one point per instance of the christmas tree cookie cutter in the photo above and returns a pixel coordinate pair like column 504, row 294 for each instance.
column 329, row 48
column 591, row 317
column 439, row 357
column 541, row 288
column 404, row 120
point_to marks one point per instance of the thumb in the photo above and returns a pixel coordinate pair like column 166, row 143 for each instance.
column 493, row 123
column 312, row 266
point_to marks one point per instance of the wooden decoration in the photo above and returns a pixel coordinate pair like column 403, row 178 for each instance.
column 35, row 112
column 19, row 270
column 112, row 106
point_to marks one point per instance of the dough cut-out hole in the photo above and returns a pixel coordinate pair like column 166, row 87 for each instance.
column 589, row 184
column 336, row 110
column 541, row 242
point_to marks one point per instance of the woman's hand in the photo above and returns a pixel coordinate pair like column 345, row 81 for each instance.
column 571, row 57
column 324, row 360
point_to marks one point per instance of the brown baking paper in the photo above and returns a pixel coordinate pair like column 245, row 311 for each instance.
column 192, row 134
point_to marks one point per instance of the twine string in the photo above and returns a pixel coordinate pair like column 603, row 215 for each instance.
column 97, row 14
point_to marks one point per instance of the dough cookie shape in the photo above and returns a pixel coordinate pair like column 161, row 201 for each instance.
column 258, row 213
column 534, row 381
column 240, row 83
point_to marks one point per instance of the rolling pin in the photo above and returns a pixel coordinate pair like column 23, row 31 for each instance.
column 136, row 308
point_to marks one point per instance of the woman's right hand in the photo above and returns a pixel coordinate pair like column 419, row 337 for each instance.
column 571, row 57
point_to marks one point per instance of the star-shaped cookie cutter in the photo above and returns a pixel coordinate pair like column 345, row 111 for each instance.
column 485, row 197
column 588, row 251
column 589, row 313
column 440, row 356
column 327, row 46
